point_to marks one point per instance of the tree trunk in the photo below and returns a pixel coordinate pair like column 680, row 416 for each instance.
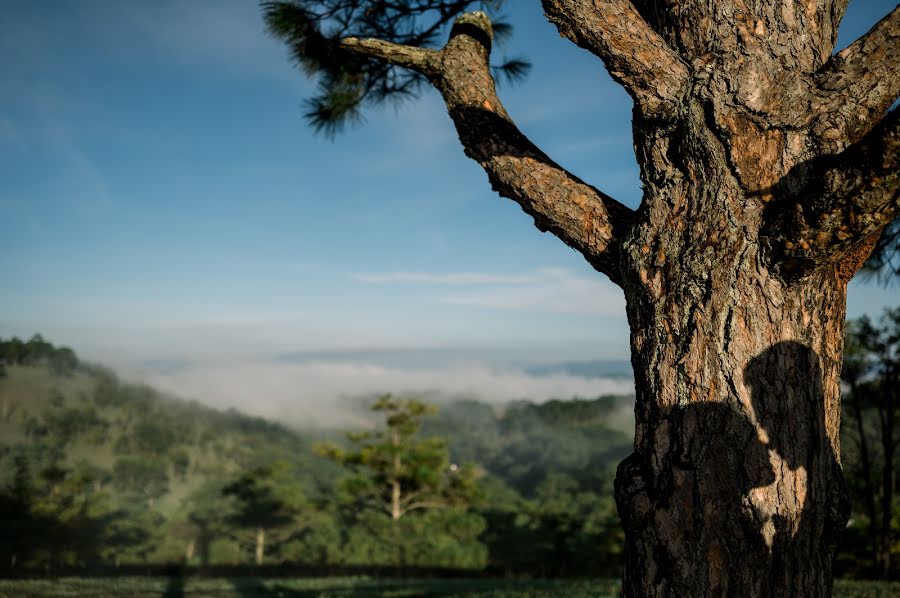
column 734, row 487
column 396, row 512
column 395, row 501
column 260, row 544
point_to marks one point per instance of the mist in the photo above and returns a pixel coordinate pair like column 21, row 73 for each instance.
column 318, row 392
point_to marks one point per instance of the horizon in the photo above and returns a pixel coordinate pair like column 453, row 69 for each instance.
column 164, row 201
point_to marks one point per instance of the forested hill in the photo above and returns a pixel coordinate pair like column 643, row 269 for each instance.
column 94, row 470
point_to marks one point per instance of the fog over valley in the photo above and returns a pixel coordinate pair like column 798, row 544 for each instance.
column 319, row 389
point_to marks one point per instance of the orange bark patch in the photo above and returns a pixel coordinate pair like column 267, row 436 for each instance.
column 850, row 262
column 756, row 154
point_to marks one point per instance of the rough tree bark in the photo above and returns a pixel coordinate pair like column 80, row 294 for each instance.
column 769, row 168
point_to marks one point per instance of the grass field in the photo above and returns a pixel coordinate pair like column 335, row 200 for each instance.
column 350, row 587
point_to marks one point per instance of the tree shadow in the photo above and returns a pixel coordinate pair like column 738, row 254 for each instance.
column 789, row 403
column 175, row 586
column 252, row 587
column 750, row 504
column 708, row 508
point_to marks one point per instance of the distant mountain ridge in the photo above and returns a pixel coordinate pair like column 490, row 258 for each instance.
column 585, row 369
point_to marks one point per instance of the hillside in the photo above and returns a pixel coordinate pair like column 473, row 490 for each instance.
column 164, row 447
column 95, row 470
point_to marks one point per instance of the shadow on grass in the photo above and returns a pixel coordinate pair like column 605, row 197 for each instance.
column 399, row 588
column 344, row 588
column 174, row 587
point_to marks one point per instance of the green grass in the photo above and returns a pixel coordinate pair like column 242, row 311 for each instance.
column 351, row 587
column 338, row 587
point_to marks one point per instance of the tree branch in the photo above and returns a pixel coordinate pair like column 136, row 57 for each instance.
column 581, row 216
column 418, row 59
column 424, row 505
column 852, row 197
column 634, row 54
column 860, row 83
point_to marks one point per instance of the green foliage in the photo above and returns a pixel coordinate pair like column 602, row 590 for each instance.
column 139, row 477
column 409, row 502
column 312, row 30
column 180, row 462
column 197, row 531
column 107, row 390
column 526, row 442
column 267, row 496
column 318, row 541
column 152, row 437
column 52, row 514
column 66, row 424
column 397, row 473
column 147, row 478
column 61, row 361
column 57, row 426
column 447, row 538
column 870, row 438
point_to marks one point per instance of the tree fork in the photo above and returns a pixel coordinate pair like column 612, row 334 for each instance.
column 583, row 217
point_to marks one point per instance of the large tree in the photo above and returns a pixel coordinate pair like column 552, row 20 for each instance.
column 396, row 471
column 769, row 168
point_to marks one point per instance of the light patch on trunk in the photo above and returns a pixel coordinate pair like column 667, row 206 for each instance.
column 768, row 532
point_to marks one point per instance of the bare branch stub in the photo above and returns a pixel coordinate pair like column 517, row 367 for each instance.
column 421, row 60
column 584, row 218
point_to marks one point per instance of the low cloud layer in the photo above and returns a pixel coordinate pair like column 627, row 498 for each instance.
column 317, row 392
column 554, row 290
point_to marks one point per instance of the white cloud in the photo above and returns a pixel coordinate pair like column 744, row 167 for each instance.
column 548, row 289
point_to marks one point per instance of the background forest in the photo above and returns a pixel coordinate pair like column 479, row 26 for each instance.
column 98, row 472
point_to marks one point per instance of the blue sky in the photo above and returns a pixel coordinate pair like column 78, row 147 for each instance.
column 161, row 197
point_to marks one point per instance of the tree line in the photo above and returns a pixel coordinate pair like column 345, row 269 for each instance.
column 95, row 471
column 36, row 351
column 99, row 472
